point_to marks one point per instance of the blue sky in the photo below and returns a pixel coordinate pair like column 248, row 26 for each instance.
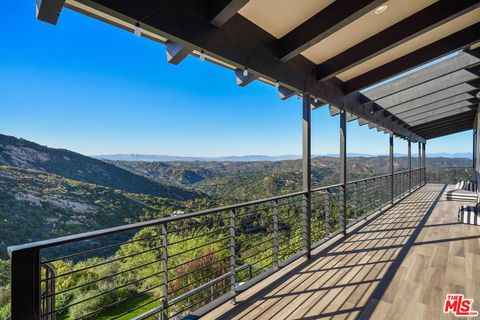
column 95, row 89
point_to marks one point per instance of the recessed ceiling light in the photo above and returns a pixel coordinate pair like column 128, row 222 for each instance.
column 478, row 94
column 381, row 9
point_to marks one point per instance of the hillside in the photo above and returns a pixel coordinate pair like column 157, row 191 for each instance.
column 22, row 153
column 239, row 181
column 36, row 205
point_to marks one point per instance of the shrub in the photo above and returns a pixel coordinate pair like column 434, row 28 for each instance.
column 88, row 307
column 5, row 312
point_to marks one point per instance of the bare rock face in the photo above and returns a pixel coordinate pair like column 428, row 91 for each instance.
column 24, row 157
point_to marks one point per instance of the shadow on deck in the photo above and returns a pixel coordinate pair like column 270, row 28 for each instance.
column 398, row 265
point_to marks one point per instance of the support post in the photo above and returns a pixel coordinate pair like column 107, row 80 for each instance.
column 391, row 167
column 25, row 287
column 307, row 175
column 164, row 314
column 343, row 171
column 424, row 165
column 409, row 166
column 419, row 164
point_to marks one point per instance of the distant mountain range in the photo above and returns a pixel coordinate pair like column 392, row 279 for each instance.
column 251, row 158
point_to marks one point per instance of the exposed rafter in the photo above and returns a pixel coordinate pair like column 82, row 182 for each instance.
column 441, row 114
column 428, row 88
column 369, row 111
column 445, row 122
column 434, row 97
column 440, row 69
column 456, row 41
column 224, row 10
column 176, row 52
column 412, row 26
column 243, row 80
column 460, row 98
column 449, row 131
column 331, row 19
column 49, row 10
column 285, row 93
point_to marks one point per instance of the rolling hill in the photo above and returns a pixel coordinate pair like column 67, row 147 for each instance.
column 25, row 154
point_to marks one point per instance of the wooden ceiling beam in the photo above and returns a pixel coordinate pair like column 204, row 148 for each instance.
column 323, row 24
column 421, row 22
column 244, row 80
column 49, row 10
column 224, row 10
column 176, row 53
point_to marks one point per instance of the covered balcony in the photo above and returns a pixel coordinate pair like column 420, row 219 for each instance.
column 384, row 247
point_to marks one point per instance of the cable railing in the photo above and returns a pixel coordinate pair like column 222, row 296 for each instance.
column 171, row 267
column 450, row 175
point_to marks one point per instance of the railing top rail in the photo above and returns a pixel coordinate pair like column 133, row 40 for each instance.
column 369, row 178
column 327, row 187
column 450, row 168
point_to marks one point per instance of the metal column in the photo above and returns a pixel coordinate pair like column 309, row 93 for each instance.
column 420, row 163
column 307, row 175
column 391, row 167
column 409, row 166
column 343, row 171
column 424, row 164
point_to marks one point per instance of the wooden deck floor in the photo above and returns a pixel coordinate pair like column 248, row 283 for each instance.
column 399, row 265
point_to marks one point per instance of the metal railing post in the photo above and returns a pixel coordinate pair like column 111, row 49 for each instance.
column 326, row 207
column 409, row 166
column 233, row 262
column 424, row 165
column 164, row 314
column 275, row 234
column 25, row 286
column 419, row 163
column 343, row 171
column 307, row 176
column 391, row 168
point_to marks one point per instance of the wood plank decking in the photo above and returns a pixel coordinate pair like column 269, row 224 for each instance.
column 399, row 265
